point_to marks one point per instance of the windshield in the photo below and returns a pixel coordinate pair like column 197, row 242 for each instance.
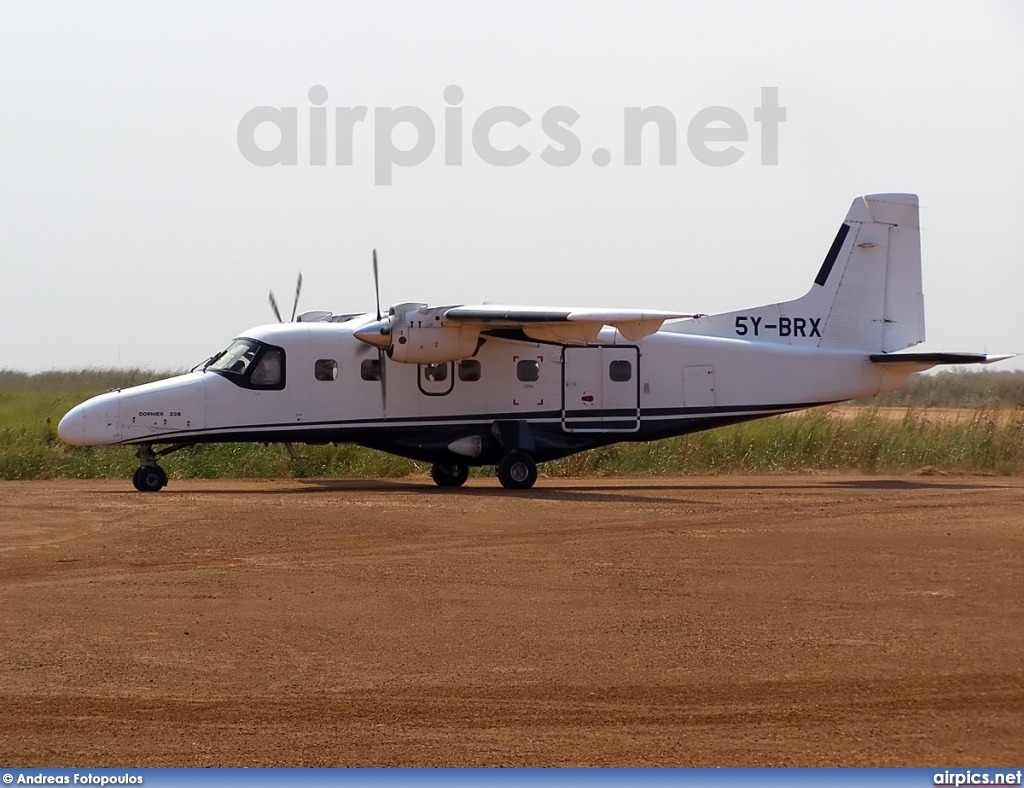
column 236, row 358
column 250, row 365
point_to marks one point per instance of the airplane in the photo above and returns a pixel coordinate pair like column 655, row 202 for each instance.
column 459, row 386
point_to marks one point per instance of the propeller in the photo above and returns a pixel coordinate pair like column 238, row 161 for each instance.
column 376, row 282
column 381, row 354
column 295, row 305
column 377, row 333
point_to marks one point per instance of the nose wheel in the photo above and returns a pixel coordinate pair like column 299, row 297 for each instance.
column 148, row 477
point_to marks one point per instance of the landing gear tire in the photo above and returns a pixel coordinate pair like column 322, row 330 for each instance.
column 149, row 478
column 449, row 474
column 517, row 471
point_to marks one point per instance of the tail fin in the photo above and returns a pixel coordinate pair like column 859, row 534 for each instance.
column 867, row 294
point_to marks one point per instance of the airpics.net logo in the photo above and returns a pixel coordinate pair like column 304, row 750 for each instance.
column 969, row 777
column 713, row 134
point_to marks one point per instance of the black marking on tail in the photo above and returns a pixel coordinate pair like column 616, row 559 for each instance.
column 833, row 253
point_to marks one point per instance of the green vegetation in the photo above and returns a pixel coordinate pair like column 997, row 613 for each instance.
column 989, row 438
column 869, row 441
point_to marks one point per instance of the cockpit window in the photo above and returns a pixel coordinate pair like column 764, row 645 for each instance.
column 251, row 364
column 236, row 358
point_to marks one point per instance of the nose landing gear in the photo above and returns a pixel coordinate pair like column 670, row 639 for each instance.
column 150, row 477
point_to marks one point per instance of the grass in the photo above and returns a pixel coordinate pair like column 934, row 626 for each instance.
column 990, row 441
column 821, row 440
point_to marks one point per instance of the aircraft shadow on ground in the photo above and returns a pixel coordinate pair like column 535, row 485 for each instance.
column 904, row 484
column 595, row 494
column 603, row 493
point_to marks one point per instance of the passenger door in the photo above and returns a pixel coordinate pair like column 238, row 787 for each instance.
column 601, row 389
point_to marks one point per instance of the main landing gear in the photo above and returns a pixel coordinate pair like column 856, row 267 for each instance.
column 449, row 474
column 516, row 471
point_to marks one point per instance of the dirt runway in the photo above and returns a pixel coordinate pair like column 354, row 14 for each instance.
column 734, row 621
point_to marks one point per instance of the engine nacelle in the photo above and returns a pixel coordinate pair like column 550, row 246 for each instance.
column 429, row 342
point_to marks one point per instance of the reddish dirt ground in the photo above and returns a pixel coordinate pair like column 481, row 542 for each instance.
column 774, row 621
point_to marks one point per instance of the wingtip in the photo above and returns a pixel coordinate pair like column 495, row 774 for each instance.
column 992, row 359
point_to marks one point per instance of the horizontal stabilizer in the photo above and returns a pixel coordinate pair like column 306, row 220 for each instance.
column 917, row 362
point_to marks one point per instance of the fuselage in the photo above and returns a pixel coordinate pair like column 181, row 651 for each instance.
column 316, row 383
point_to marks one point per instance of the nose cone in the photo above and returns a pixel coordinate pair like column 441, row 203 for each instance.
column 72, row 427
column 93, row 423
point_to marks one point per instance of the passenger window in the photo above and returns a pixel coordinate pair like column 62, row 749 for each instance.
column 269, row 370
column 528, row 370
column 326, row 369
column 435, row 373
column 620, row 371
column 370, row 369
column 469, row 370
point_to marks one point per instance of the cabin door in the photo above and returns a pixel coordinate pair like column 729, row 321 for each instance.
column 601, row 389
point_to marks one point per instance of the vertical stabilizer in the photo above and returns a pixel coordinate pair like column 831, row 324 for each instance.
column 867, row 293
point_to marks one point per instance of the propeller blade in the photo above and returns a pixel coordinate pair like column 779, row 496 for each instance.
column 273, row 305
column 298, row 289
column 383, row 381
column 376, row 282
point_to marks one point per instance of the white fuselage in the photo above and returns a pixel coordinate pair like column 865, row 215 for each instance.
column 574, row 396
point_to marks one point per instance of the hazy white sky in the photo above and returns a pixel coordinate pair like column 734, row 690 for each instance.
column 133, row 231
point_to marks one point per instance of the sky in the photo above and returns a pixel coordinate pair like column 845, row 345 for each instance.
column 134, row 231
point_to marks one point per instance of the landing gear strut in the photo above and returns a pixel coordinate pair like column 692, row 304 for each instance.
column 449, row 474
column 517, row 471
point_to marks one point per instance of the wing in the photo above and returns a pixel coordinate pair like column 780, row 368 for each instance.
column 562, row 324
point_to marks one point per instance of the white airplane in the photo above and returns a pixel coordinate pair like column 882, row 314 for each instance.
column 511, row 386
